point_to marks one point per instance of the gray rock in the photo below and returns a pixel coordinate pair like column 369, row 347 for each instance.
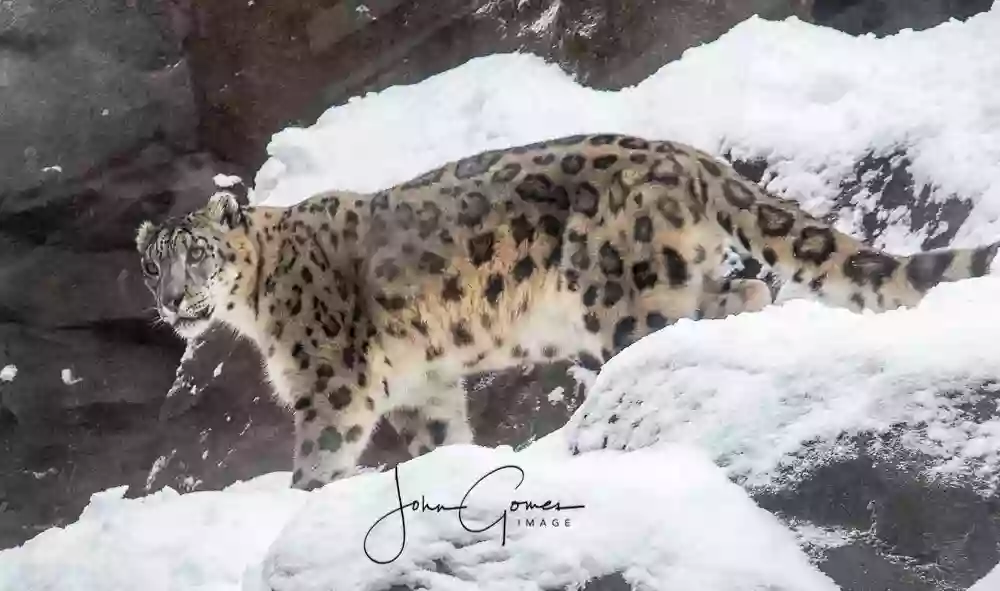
column 908, row 529
column 83, row 82
column 859, row 567
column 63, row 370
column 886, row 17
column 913, row 532
column 890, row 178
column 53, row 287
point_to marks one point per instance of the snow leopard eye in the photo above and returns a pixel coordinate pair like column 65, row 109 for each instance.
column 151, row 268
column 196, row 253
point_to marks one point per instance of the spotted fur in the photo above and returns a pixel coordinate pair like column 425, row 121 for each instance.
column 378, row 304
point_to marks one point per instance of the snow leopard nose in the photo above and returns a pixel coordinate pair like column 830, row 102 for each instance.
column 172, row 302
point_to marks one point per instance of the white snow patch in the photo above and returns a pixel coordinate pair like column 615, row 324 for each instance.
column 682, row 525
column 218, row 370
column 991, row 582
column 557, row 395
column 54, row 168
column 160, row 463
column 547, row 19
column 483, row 382
column 588, row 24
column 810, row 100
column 68, row 378
column 755, row 389
column 8, row 373
column 196, row 541
column 189, row 483
column 43, row 474
column 183, row 381
column 225, row 181
column 815, row 537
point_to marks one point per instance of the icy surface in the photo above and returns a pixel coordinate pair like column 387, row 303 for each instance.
column 200, row 541
column 811, row 101
column 754, row 389
column 665, row 519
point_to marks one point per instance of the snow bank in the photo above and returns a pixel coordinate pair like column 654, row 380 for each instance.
column 664, row 519
column 754, row 389
column 991, row 582
column 200, row 541
column 811, row 101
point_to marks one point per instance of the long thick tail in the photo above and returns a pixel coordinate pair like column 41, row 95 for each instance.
column 836, row 267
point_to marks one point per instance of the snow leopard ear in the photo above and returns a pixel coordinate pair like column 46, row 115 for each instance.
column 144, row 235
column 224, row 209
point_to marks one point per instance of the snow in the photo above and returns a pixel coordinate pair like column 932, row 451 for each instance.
column 225, row 181
column 681, row 526
column 754, row 389
column 8, row 373
column 811, row 101
column 547, row 19
column 816, row 540
column 991, row 582
column 158, row 465
column 68, row 378
column 199, row 541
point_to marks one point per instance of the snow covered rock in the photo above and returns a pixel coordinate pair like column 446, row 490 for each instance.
column 329, row 53
column 162, row 542
column 661, row 519
column 886, row 425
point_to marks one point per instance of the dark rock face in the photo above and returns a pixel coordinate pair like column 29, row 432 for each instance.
column 83, row 82
column 74, row 318
column 885, row 17
column 915, row 534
